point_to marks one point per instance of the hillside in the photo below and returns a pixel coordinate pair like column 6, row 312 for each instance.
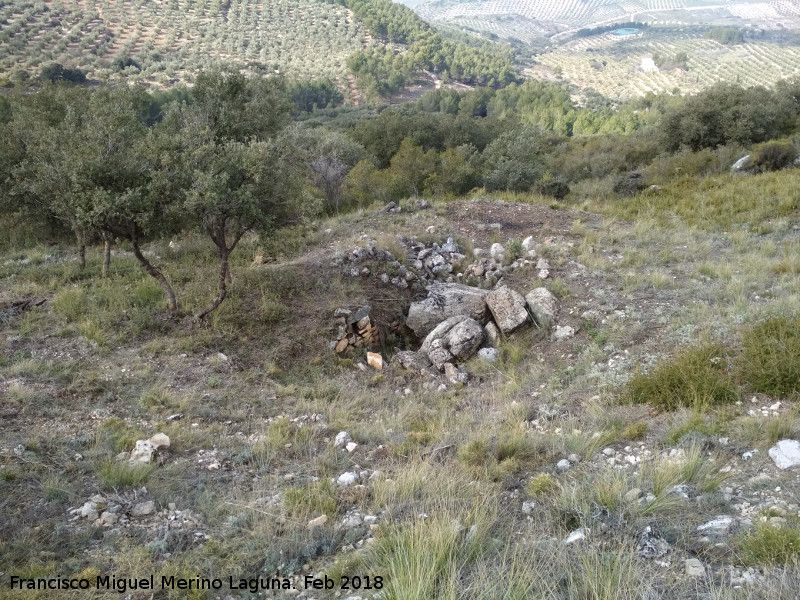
column 170, row 41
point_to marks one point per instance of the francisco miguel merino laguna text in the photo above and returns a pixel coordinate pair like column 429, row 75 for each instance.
column 168, row 582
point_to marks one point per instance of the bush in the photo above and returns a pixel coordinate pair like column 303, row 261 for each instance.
column 770, row 360
column 774, row 155
column 555, row 188
column 770, row 545
column 629, row 185
column 695, row 377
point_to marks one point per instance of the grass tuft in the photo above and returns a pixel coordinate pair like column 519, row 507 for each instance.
column 768, row 544
column 770, row 360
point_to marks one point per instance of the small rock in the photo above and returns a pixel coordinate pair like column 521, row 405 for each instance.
column 142, row 509
column 348, row 478
column 375, row 360
column 575, row 536
column 143, row 452
column 720, row 525
column 88, row 511
column 160, row 440
column 633, row 495
column 489, row 354
column 351, row 446
column 528, row 506
column 175, row 417
column 497, row 252
column 564, row 333
column 107, row 519
column 609, row 452
column 563, row 465
column 786, row 454
column 543, row 306
column 318, row 522
column 492, row 334
column 342, row 439
column 694, row 568
column 574, row 458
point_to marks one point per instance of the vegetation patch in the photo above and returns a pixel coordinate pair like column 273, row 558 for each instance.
column 770, row 359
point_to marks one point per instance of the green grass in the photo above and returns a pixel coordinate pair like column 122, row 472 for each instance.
column 768, row 544
column 694, row 378
column 115, row 474
column 770, row 359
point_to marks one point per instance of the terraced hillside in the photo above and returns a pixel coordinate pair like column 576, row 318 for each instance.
column 624, row 68
column 502, row 17
column 170, row 39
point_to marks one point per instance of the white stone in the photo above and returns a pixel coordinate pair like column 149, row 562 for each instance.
column 565, row 332
column 143, row 452
column 489, row 354
column 563, row 465
column 694, row 568
column 543, row 306
column 528, row 243
column 575, row 536
column 318, row 522
column 88, row 511
column 342, row 439
column 609, row 451
column 786, row 454
column 142, row 509
column 348, row 478
column 160, row 440
column 351, row 446
column 719, row 525
column 507, row 308
column 528, row 506
column 497, row 252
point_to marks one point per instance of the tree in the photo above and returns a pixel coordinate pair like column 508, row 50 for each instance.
column 236, row 173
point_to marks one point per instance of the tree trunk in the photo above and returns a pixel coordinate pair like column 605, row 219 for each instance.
column 81, row 250
column 106, row 256
column 222, row 283
column 159, row 276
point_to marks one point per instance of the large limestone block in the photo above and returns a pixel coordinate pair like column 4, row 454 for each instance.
column 507, row 308
column 464, row 339
column 446, row 300
column 543, row 306
column 456, row 338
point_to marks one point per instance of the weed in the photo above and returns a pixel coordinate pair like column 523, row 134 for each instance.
column 115, row 436
column 768, row 544
column 635, row 431
column 559, row 289
column 311, row 500
column 114, row 474
column 542, row 484
column 695, row 377
column 71, row 304
column 770, row 360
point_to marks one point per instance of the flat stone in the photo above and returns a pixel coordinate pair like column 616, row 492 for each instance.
column 412, row 361
column 489, row 354
column 575, row 536
column 318, row 522
column 446, row 300
column 351, row 446
column 694, row 568
column 348, row 478
column 786, row 454
column 720, row 525
column 142, row 509
column 507, row 308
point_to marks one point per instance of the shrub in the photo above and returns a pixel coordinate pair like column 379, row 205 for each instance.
column 770, row 545
column 770, row 360
column 774, row 155
column 555, row 188
column 541, row 485
column 629, row 185
column 694, row 377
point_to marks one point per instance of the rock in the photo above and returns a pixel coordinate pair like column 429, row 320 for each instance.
column 542, row 264
column 88, row 510
column 694, row 568
column 160, row 440
column 786, row 454
column 575, row 536
column 454, row 338
column 497, row 252
column 318, row 522
column 450, row 246
column 609, row 452
column 412, row 361
column 574, row 458
column 633, row 495
column 720, row 525
column 342, row 439
column 507, row 308
column 528, row 506
column 352, row 520
column 348, row 478
column 743, row 164
column 142, row 453
column 528, row 243
column 143, row 509
column 341, row 345
column 543, row 306
column 423, row 204
column 175, row 417
column 375, row 360
column 492, row 334
column 564, row 333
column 107, row 519
column 490, row 354
column 446, row 300
column 351, row 446
column 651, row 544
column 563, row 465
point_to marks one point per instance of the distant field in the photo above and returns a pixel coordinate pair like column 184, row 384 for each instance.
column 613, row 66
column 171, row 39
column 565, row 15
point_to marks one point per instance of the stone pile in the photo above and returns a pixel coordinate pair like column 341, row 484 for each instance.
column 429, row 262
column 455, row 321
column 354, row 329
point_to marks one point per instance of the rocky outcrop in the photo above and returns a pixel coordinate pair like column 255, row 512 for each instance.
column 446, row 300
column 507, row 308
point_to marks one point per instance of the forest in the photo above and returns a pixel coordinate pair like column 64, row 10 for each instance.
column 113, row 164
